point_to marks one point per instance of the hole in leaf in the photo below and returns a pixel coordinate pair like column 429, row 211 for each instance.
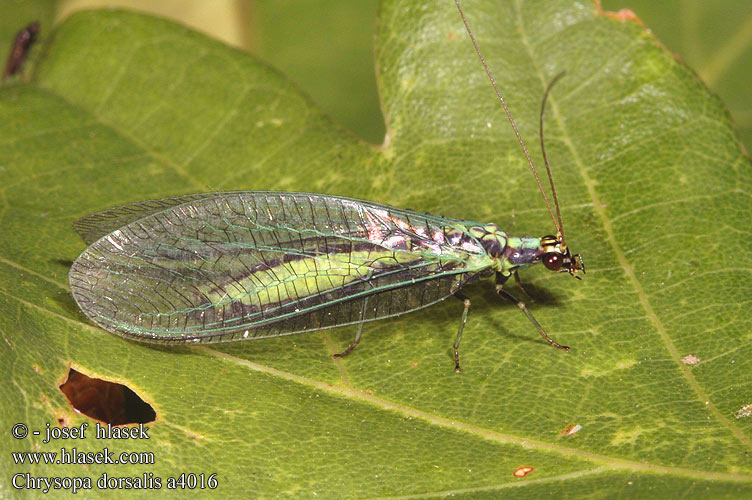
column 109, row 402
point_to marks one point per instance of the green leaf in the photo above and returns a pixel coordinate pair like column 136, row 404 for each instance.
column 326, row 47
column 715, row 38
column 655, row 195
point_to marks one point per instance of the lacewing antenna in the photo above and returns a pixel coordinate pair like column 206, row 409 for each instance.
column 557, row 221
column 560, row 227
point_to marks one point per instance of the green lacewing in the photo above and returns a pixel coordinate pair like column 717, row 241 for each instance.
column 218, row 267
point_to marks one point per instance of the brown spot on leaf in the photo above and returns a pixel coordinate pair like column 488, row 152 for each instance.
column 570, row 429
column 623, row 15
column 523, row 471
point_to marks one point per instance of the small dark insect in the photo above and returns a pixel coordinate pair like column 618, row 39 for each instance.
column 20, row 49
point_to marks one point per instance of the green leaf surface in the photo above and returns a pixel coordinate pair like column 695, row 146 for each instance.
column 655, row 195
column 326, row 47
column 715, row 38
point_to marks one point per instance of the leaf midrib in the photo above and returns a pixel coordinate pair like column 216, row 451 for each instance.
column 611, row 463
column 496, row 487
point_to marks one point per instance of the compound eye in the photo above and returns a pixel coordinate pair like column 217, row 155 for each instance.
column 553, row 261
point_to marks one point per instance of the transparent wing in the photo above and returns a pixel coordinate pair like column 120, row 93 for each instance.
column 94, row 226
column 259, row 264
